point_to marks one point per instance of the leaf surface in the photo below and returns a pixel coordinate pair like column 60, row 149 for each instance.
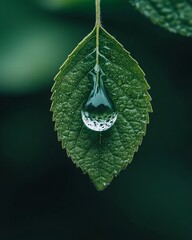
column 173, row 15
column 102, row 155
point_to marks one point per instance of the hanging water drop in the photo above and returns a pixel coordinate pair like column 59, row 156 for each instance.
column 98, row 113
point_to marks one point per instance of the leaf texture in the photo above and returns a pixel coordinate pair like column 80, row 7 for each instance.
column 102, row 155
column 173, row 15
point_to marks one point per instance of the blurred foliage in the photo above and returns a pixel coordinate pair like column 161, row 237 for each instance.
column 76, row 4
column 30, row 44
column 174, row 16
column 42, row 195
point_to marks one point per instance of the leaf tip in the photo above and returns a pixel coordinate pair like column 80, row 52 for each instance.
column 101, row 183
column 100, row 186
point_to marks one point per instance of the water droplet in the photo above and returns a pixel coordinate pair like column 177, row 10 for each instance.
column 98, row 113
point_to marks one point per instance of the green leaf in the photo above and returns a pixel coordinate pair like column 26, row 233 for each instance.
column 174, row 15
column 102, row 155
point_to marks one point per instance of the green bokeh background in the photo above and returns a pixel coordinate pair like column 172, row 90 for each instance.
column 43, row 196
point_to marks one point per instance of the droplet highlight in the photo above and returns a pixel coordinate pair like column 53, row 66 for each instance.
column 99, row 113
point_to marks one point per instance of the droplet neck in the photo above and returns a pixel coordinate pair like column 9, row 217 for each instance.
column 99, row 97
column 97, row 76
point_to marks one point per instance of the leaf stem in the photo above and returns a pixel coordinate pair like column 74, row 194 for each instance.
column 98, row 13
column 97, row 25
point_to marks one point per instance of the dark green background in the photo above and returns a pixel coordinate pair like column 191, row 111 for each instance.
column 43, row 196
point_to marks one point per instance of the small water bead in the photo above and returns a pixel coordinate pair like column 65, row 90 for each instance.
column 98, row 113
